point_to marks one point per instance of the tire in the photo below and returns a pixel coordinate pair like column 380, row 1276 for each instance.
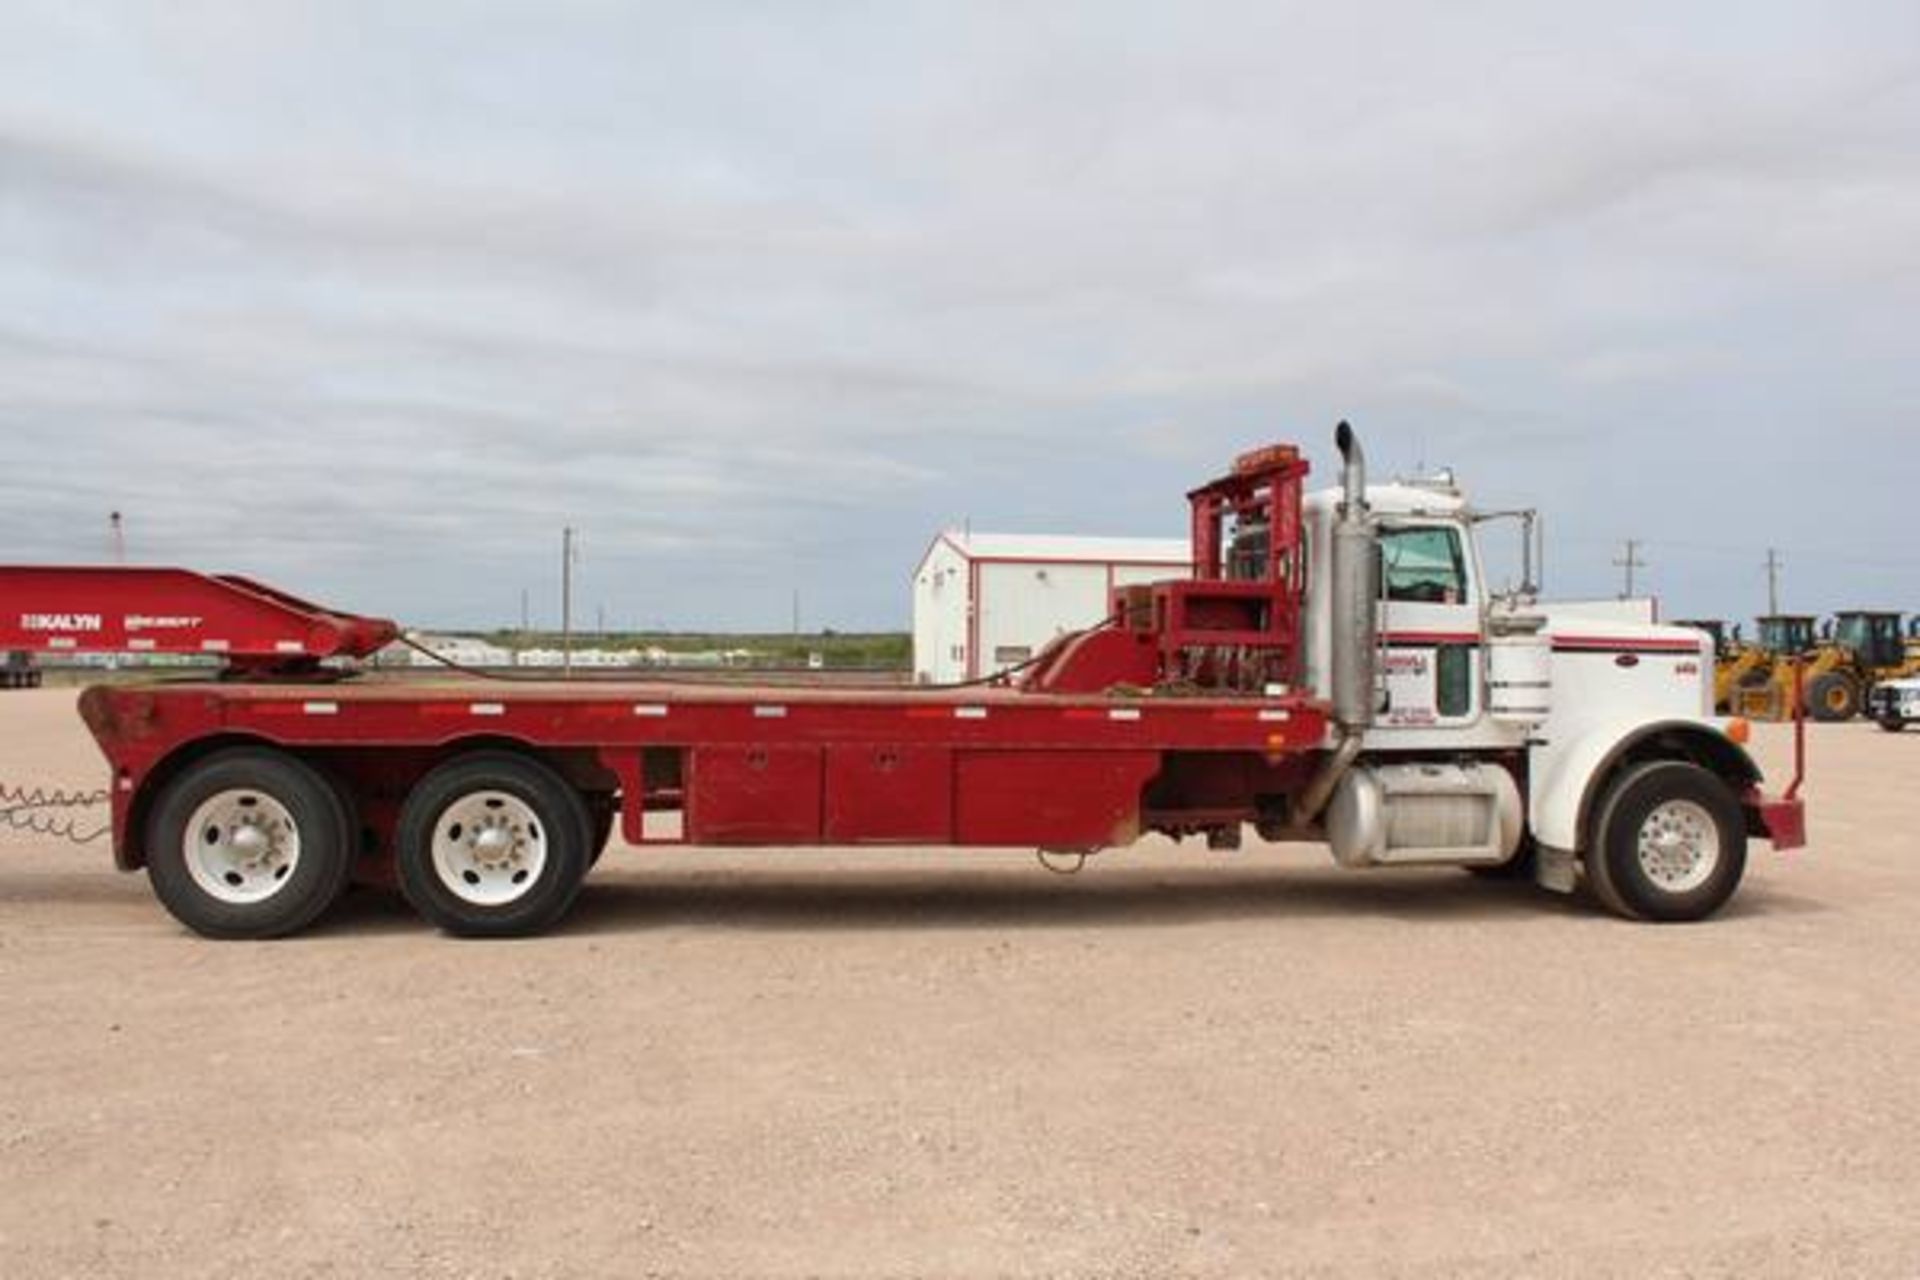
column 602, row 812
column 248, row 843
column 493, row 845
column 1833, row 696
column 1694, row 837
column 1893, row 724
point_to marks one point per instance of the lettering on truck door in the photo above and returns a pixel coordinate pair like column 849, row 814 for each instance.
column 1429, row 626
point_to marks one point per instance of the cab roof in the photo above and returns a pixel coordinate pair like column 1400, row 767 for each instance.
column 1398, row 499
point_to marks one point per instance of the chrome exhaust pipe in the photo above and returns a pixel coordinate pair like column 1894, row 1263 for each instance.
column 1354, row 591
column 1354, row 635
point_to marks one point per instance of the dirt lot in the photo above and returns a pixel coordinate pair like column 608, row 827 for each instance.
column 794, row 1064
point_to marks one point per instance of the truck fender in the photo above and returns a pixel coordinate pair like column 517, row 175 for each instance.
column 1568, row 778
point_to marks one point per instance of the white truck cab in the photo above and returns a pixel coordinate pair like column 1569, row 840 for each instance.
column 1506, row 734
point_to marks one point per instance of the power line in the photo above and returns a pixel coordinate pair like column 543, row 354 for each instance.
column 1629, row 562
column 1821, row 554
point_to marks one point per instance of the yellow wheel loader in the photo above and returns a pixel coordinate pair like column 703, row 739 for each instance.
column 1868, row 648
column 1762, row 689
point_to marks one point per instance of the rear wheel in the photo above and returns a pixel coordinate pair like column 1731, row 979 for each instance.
column 249, row 843
column 1893, row 724
column 493, row 845
column 1832, row 696
column 1670, row 843
column 602, row 810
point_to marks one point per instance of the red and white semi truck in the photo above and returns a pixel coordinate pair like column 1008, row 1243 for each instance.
column 1336, row 669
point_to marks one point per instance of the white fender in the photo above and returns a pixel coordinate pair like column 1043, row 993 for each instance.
column 1565, row 773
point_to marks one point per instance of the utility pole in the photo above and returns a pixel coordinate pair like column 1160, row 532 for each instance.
column 566, row 601
column 526, row 615
column 796, row 614
column 116, row 537
column 1629, row 562
column 600, row 620
column 1773, row 581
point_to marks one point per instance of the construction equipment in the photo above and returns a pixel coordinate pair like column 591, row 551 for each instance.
column 1760, row 679
column 1336, row 669
column 1855, row 650
column 1870, row 648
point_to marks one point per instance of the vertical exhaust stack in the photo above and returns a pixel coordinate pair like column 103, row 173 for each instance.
column 1355, row 562
column 1354, row 635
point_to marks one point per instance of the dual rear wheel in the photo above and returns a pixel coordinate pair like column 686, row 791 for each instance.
column 255, row 843
column 493, row 845
column 249, row 843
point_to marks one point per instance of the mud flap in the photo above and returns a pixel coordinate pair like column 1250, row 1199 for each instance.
column 1556, row 869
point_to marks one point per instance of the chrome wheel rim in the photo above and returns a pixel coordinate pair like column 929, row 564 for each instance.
column 489, row 848
column 241, row 846
column 1679, row 846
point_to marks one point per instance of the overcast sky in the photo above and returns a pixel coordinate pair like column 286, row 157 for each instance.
column 371, row 299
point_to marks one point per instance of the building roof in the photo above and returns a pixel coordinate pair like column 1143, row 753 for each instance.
column 1057, row 548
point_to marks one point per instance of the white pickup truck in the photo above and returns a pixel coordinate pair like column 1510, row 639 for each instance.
column 1895, row 704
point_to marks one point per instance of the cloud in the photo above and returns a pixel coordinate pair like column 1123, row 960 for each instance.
column 370, row 301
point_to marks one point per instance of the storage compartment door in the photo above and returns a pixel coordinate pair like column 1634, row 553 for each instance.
column 889, row 795
column 754, row 795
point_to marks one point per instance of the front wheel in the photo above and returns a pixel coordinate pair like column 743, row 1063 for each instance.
column 1833, row 696
column 1670, row 843
column 249, row 843
column 492, row 845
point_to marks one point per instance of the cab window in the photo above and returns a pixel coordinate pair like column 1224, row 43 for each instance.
column 1423, row 564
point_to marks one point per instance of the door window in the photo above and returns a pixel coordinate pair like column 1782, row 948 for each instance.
column 1423, row 565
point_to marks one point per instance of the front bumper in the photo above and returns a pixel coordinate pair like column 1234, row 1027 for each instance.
column 1889, row 705
column 1781, row 819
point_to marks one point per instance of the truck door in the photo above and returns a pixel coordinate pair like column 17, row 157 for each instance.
column 1429, row 625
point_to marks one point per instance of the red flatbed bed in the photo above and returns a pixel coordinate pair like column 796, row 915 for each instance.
column 750, row 764
column 252, row 798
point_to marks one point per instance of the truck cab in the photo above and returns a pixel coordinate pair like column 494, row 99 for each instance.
column 1872, row 637
column 1511, row 732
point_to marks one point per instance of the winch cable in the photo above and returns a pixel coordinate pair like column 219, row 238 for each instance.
column 44, row 811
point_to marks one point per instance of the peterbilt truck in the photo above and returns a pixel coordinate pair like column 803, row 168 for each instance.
column 1336, row 669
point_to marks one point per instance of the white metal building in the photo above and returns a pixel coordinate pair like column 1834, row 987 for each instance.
column 986, row 601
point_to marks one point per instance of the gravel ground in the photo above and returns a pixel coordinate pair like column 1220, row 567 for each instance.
column 1180, row 1062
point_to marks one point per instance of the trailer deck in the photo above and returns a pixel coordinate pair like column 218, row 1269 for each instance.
column 749, row 764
